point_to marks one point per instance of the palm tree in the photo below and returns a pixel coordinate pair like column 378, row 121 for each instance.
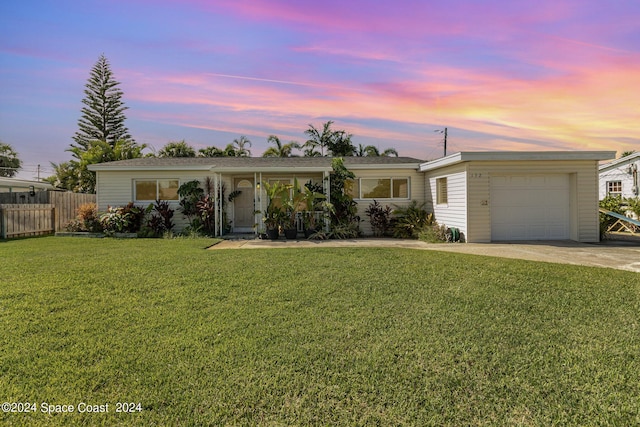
column 240, row 143
column 627, row 153
column 211, row 151
column 280, row 150
column 390, row 152
column 373, row 151
column 177, row 149
column 318, row 139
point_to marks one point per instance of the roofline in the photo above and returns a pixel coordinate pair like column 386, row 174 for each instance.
column 107, row 167
column 244, row 169
column 17, row 182
column 616, row 162
column 488, row 156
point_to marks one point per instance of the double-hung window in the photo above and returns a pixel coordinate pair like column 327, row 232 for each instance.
column 148, row 190
column 380, row 188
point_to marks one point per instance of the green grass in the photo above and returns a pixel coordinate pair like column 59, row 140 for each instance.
column 348, row 336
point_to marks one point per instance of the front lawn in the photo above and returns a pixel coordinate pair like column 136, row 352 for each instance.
column 348, row 336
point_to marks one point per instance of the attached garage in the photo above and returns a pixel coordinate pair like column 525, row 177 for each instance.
column 530, row 207
column 516, row 196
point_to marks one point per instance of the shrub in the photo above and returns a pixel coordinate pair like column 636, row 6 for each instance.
column 114, row 220
column 89, row 218
column 434, row 233
column 379, row 217
column 135, row 217
column 411, row 220
column 160, row 221
column 74, row 225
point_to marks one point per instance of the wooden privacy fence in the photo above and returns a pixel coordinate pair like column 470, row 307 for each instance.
column 64, row 209
column 19, row 220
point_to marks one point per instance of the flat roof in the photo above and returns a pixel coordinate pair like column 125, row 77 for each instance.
column 504, row 156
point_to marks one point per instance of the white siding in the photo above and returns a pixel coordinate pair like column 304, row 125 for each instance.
column 622, row 174
column 454, row 212
column 583, row 203
column 416, row 192
column 115, row 188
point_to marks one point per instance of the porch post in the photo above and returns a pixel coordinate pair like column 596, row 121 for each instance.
column 216, row 201
column 327, row 192
column 221, row 215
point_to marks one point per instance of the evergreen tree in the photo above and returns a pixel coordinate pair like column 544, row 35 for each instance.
column 103, row 112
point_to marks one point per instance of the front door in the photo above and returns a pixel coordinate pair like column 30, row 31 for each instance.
column 243, row 208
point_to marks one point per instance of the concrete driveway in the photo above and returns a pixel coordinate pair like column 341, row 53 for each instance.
column 620, row 255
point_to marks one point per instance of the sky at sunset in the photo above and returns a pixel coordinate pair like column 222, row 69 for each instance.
column 500, row 75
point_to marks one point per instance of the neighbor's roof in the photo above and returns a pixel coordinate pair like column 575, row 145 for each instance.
column 618, row 162
column 6, row 182
column 255, row 164
column 468, row 156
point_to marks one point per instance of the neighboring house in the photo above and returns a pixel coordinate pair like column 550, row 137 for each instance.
column 488, row 196
column 620, row 177
column 14, row 185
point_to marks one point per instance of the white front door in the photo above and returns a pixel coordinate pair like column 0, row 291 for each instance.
column 243, row 209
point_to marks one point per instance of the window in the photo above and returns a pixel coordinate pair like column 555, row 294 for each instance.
column 382, row 188
column 614, row 188
column 156, row 189
column 442, row 196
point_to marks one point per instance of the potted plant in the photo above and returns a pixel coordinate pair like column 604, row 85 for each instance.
column 275, row 213
column 309, row 202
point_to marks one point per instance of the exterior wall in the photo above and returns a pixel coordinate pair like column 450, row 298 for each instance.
column 583, row 203
column 115, row 188
column 620, row 173
column 416, row 192
column 454, row 212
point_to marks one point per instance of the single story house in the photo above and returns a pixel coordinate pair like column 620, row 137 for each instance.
column 488, row 196
column 15, row 185
column 620, row 177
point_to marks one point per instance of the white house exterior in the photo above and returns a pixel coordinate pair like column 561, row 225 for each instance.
column 510, row 196
column 121, row 182
column 620, row 177
column 488, row 196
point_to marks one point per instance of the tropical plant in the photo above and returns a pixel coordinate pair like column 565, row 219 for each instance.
column 161, row 220
column 114, row 220
column 633, row 204
column 614, row 204
column 190, row 194
column 345, row 210
column 177, row 149
column 280, row 149
column 211, row 151
column 410, row 220
column 9, row 161
column 379, row 217
column 275, row 213
column 240, row 145
column 88, row 217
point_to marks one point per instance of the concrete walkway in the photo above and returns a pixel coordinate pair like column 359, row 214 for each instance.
column 618, row 255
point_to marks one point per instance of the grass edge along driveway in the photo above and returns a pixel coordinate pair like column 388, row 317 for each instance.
column 348, row 336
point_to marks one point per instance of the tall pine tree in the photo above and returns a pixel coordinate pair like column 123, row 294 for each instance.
column 103, row 112
column 102, row 135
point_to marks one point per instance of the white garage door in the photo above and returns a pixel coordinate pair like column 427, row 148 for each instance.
column 530, row 207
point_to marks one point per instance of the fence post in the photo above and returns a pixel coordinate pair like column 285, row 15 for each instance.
column 3, row 221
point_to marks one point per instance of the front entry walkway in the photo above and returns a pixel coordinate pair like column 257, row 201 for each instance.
column 618, row 255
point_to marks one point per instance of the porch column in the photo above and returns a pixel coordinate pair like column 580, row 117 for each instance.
column 326, row 182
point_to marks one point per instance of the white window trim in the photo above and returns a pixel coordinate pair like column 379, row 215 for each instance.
column 135, row 195
column 359, row 195
column 438, row 186
column 609, row 184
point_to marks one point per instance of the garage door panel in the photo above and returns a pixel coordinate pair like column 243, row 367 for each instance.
column 530, row 207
